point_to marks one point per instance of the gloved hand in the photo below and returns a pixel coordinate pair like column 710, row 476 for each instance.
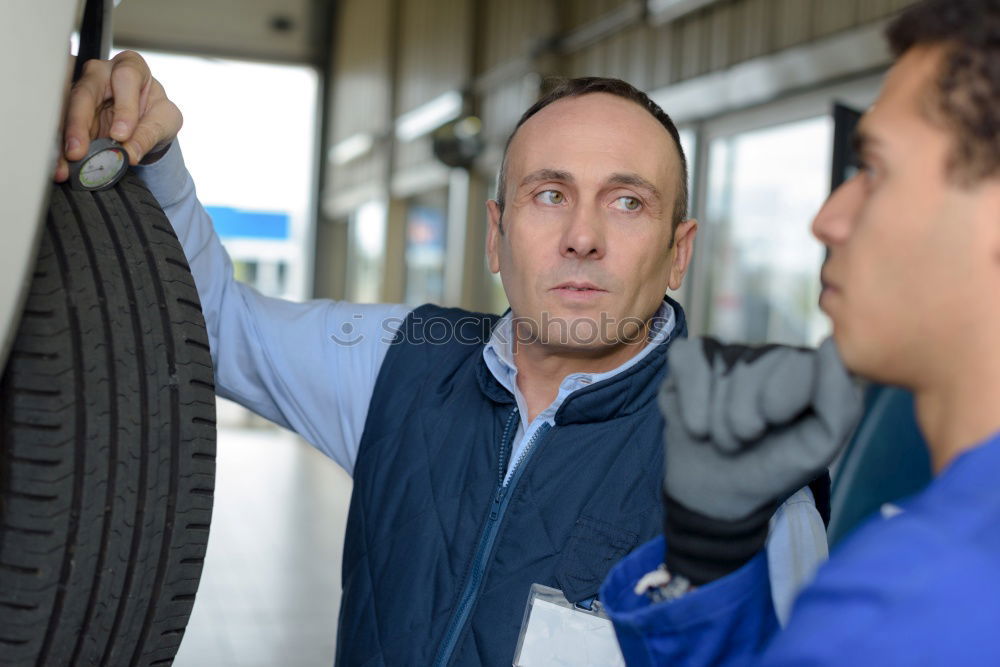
column 745, row 428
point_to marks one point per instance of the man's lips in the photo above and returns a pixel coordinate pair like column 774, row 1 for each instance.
column 575, row 286
column 578, row 292
column 827, row 290
column 826, row 283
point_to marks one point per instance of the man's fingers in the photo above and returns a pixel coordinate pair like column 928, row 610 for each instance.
column 146, row 136
column 158, row 126
column 788, row 389
column 743, row 410
column 689, row 385
column 121, row 99
column 723, row 436
column 759, row 392
column 62, row 170
column 85, row 101
column 130, row 79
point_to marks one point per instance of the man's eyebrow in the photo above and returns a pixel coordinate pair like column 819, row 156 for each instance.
column 636, row 181
column 862, row 141
column 859, row 141
column 546, row 175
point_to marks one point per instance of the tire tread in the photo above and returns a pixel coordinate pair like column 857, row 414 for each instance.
column 107, row 440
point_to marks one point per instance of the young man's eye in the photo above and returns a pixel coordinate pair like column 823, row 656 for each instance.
column 859, row 166
column 553, row 197
column 630, row 204
column 867, row 172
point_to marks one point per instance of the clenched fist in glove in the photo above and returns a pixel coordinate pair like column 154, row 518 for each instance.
column 745, row 428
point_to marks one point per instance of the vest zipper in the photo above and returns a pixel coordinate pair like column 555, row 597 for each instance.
column 497, row 509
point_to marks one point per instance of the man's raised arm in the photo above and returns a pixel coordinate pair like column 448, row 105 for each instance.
column 309, row 366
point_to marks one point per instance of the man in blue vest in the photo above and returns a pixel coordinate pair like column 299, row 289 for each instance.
column 488, row 453
column 911, row 285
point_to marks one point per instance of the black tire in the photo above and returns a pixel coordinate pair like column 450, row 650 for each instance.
column 107, row 441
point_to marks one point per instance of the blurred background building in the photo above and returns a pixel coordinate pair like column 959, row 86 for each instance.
column 347, row 148
column 750, row 83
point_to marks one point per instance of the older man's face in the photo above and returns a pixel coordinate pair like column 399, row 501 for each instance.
column 585, row 248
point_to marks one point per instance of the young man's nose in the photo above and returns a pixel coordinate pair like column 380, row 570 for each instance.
column 833, row 224
column 583, row 237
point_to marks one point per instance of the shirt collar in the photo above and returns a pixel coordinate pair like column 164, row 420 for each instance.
column 499, row 353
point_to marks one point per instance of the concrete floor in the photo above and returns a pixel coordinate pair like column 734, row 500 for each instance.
column 270, row 590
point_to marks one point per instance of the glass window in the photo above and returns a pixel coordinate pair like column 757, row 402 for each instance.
column 689, row 145
column 259, row 191
column 425, row 248
column 764, row 188
column 245, row 271
column 366, row 263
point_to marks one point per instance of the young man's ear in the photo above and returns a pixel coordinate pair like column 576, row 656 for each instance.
column 493, row 233
column 683, row 250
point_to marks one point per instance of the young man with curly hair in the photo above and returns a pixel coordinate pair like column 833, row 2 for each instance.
column 911, row 285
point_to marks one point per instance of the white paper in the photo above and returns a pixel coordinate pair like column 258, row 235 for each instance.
column 560, row 636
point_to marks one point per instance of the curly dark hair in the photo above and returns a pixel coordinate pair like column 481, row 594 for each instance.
column 593, row 84
column 967, row 95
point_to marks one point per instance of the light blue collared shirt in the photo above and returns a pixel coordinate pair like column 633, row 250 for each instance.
column 499, row 357
column 312, row 367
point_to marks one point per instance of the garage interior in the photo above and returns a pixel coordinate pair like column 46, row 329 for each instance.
column 401, row 140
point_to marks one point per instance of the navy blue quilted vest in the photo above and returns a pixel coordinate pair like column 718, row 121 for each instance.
column 439, row 557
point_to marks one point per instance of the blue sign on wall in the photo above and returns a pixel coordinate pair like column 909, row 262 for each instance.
column 239, row 223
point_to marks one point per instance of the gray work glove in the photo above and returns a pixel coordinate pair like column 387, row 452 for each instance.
column 745, row 428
